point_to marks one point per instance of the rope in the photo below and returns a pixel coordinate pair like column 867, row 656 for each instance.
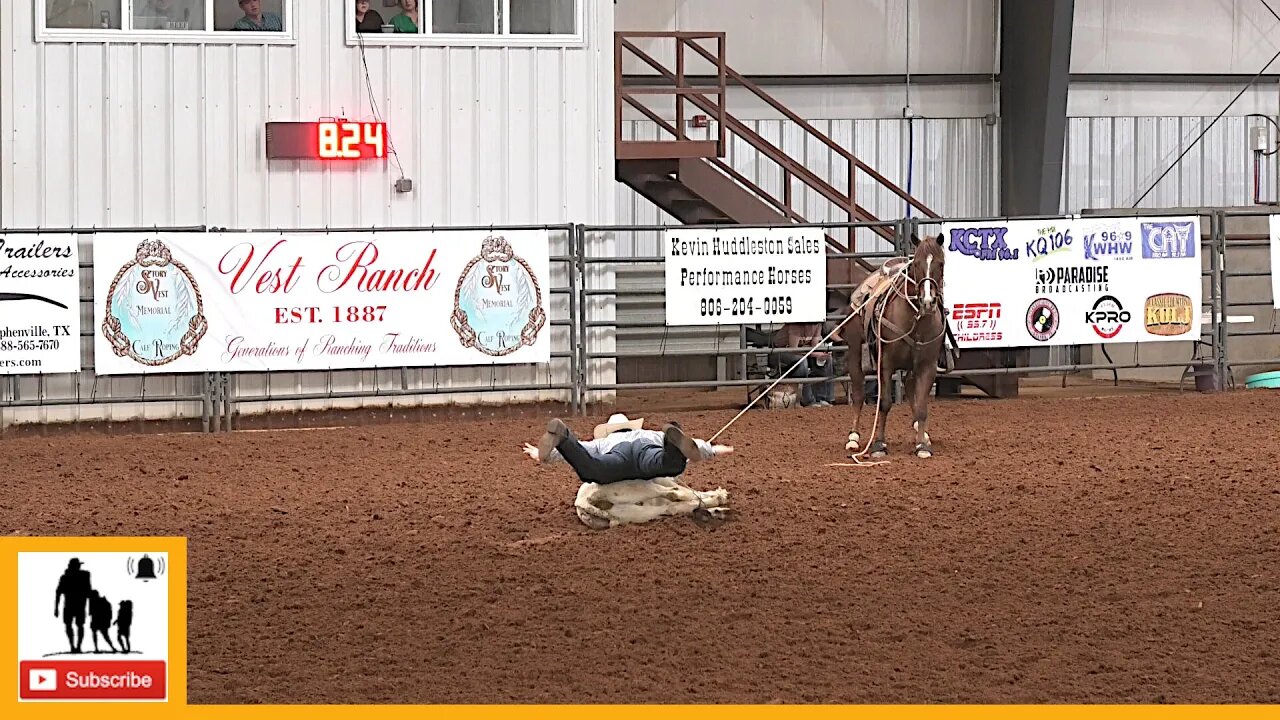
column 900, row 272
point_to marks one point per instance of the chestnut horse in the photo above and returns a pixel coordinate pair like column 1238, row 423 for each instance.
column 903, row 329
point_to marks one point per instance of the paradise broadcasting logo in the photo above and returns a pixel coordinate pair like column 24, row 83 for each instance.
column 107, row 635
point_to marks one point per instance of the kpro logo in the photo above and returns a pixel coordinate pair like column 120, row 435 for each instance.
column 1107, row 316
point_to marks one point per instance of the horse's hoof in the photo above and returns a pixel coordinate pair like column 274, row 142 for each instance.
column 879, row 450
column 923, row 451
column 854, row 441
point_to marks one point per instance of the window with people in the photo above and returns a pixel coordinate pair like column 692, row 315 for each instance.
column 168, row 16
column 467, row 17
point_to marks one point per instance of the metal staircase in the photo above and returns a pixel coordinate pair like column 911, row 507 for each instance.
column 690, row 180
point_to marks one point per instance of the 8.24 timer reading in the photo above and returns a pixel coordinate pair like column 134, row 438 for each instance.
column 772, row 305
column 349, row 313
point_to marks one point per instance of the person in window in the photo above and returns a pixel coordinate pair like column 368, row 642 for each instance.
column 161, row 15
column 256, row 20
column 367, row 20
column 408, row 19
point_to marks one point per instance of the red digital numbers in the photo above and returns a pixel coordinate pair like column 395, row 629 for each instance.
column 351, row 140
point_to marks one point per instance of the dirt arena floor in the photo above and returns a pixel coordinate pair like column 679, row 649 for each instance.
column 1057, row 550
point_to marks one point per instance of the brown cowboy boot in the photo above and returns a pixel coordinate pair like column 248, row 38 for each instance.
column 674, row 435
column 556, row 431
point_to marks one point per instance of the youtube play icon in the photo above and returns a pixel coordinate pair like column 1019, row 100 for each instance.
column 43, row 679
column 94, row 680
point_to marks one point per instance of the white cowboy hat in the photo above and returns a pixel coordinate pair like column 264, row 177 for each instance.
column 618, row 421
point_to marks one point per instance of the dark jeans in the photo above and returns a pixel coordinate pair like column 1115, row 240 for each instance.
column 809, row 392
column 640, row 459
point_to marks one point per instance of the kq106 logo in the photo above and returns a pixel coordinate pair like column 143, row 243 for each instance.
column 1163, row 240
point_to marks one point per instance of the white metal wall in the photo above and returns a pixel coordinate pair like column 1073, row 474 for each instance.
column 130, row 133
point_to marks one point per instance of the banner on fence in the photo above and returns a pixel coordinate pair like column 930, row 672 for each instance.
column 1073, row 281
column 39, row 304
column 250, row 302
column 1275, row 260
column 745, row 275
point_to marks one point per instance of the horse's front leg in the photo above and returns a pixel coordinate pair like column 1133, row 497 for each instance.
column 857, row 384
column 927, row 372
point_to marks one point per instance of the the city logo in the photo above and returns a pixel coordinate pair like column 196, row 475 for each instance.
column 1168, row 240
column 155, row 313
column 108, row 635
column 497, row 306
column 1050, row 242
column 1109, row 245
column 1042, row 319
column 1073, row 279
column 1107, row 317
column 1168, row 314
column 982, row 243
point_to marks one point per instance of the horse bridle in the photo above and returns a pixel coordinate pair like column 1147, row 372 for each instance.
column 911, row 300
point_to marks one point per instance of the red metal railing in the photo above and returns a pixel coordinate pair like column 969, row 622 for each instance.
column 681, row 146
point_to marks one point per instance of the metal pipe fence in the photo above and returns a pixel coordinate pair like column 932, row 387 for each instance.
column 608, row 322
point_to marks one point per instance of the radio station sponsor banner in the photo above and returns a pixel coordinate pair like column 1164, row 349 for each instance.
column 39, row 304
column 1275, row 260
column 745, row 275
column 1073, row 281
column 251, row 302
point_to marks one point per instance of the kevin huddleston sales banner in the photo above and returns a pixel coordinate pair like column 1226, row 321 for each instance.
column 252, row 302
column 745, row 275
column 1073, row 281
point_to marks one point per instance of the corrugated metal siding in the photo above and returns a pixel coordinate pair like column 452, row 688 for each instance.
column 1110, row 162
column 145, row 133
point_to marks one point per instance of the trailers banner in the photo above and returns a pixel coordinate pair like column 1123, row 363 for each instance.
column 39, row 304
column 1073, row 281
column 254, row 302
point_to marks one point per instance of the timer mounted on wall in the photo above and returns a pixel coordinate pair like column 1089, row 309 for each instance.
column 328, row 139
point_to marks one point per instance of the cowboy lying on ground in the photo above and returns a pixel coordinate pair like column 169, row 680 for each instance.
column 623, row 450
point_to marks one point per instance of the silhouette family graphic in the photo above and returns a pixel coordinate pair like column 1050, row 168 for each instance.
column 77, row 597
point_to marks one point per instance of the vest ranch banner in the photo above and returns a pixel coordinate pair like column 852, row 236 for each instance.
column 39, row 304
column 1073, row 281
column 254, row 302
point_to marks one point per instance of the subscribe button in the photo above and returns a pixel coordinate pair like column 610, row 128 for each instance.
column 92, row 680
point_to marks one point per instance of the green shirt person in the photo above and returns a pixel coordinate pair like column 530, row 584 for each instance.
column 255, row 19
column 407, row 20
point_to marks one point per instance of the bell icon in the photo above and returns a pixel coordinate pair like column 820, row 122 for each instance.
column 146, row 569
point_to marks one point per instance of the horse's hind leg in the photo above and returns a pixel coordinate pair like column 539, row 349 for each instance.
column 925, row 373
column 885, row 393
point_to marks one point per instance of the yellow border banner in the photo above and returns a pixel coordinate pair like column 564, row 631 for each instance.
column 176, row 706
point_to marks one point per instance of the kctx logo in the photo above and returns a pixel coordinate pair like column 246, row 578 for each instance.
column 982, row 243
column 1073, row 279
column 1107, row 317
column 1168, row 240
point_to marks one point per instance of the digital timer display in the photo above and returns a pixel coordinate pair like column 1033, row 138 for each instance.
column 326, row 140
